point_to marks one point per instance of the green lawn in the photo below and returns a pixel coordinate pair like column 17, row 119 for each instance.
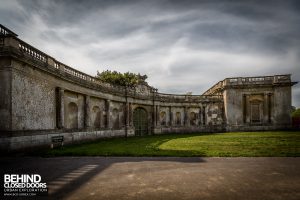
column 219, row 144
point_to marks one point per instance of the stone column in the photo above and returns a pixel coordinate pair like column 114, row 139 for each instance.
column 87, row 112
column 61, row 108
column 157, row 115
column 130, row 115
column 203, row 115
column 127, row 114
column 248, row 109
column 107, row 109
column 154, row 115
column 265, row 109
column 269, row 108
column 185, row 122
column 244, row 108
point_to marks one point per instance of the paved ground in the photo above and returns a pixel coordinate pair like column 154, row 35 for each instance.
column 163, row 178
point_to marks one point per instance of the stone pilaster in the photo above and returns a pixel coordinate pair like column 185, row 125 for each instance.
column 61, row 108
column 269, row 108
column 185, row 122
column 87, row 112
column 265, row 109
column 157, row 115
column 204, row 115
column 170, row 116
column 107, row 109
column 154, row 115
column 130, row 115
column 244, row 108
column 248, row 107
column 127, row 115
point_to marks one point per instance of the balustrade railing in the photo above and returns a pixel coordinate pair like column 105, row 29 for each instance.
column 257, row 80
column 33, row 52
column 6, row 31
column 187, row 98
column 247, row 81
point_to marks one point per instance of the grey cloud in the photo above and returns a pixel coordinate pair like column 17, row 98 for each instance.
column 182, row 45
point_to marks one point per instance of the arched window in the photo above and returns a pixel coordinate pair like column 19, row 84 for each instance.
column 163, row 118
column 72, row 116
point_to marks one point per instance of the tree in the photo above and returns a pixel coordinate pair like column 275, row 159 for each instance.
column 296, row 113
column 127, row 79
column 296, row 118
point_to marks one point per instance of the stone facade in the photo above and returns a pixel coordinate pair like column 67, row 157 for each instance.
column 42, row 97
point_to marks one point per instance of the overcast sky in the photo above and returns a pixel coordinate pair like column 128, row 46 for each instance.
column 183, row 46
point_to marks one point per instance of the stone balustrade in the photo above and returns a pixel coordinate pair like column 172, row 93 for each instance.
column 33, row 52
column 257, row 80
column 6, row 31
column 187, row 98
column 242, row 81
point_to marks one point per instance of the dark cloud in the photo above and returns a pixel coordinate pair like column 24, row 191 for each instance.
column 182, row 45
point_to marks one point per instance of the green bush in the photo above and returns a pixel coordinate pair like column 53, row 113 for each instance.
column 296, row 113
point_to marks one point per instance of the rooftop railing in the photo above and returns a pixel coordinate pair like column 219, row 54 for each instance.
column 6, row 31
column 258, row 80
column 187, row 98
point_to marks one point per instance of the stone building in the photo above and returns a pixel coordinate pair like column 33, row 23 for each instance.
column 41, row 97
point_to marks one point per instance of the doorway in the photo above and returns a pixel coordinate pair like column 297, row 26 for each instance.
column 140, row 121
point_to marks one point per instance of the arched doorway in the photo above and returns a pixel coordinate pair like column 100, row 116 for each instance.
column 140, row 121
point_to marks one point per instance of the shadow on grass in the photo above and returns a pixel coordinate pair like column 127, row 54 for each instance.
column 135, row 146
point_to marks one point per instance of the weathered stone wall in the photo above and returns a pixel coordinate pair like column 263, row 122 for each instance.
column 282, row 106
column 33, row 99
column 5, row 94
column 262, row 104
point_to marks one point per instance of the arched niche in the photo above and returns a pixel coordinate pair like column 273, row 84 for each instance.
column 163, row 118
column 96, row 117
column 72, row 116
column 115, row 118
